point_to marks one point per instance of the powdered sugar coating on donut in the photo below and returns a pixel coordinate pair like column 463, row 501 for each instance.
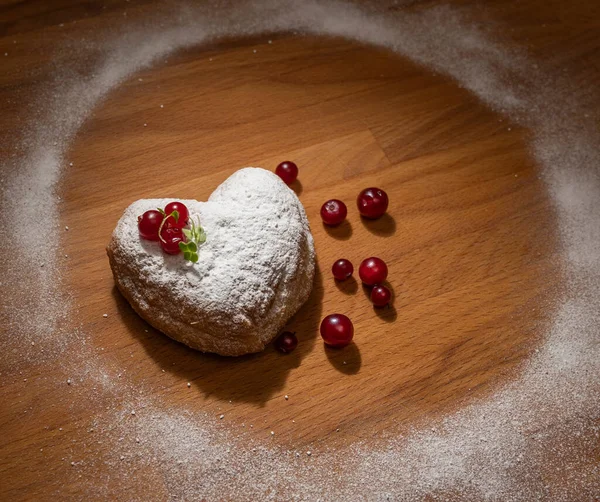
column 254, row 271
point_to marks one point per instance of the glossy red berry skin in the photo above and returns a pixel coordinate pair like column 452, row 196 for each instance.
column 337, row 330
column 182, row 209
column 342, row 269
column 380, row 296
column 149, row 223
column 333, row 212
column 286, row 342
column 373, row 271
column 172, row 236
column 287, row 171
column 372, row 202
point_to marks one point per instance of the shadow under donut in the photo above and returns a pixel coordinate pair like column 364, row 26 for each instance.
column 252, row 378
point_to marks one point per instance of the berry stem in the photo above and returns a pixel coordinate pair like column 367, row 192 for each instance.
column 175, row 215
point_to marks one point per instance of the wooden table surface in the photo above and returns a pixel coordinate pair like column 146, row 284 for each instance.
column 469, row 238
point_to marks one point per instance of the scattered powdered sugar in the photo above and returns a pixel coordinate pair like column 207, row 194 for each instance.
column 506, row 447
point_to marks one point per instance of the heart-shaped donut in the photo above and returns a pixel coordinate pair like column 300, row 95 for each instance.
column 254, row 271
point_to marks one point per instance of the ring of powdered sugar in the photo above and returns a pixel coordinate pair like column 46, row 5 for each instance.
column 487, row 450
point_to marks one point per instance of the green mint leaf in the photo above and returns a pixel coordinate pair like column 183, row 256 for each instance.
column 161, row 211
column 195, row 236
column 175, row 214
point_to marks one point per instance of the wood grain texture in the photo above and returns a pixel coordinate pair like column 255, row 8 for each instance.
column 469, row 239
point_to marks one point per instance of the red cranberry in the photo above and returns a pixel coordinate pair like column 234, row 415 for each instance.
column 372, row 202
column 286, row 342
column 171, row 237
column 380, row 296
column 287, row 171
column 373, row 271
column 333, row 212
column 342, row 269
column 149, row 223
column 337, row 330
column 181, row 208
